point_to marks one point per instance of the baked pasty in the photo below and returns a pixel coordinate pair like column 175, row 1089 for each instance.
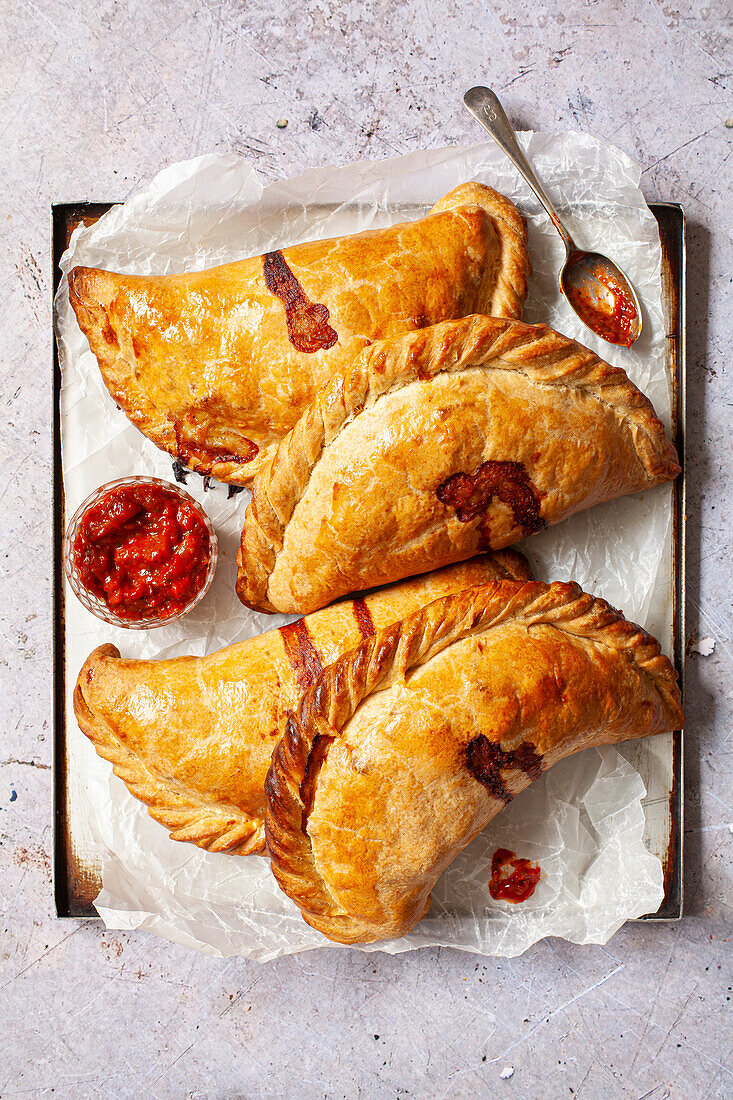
column 192, row 737
column 468, row 435
column 409, row 745
column 214, row 365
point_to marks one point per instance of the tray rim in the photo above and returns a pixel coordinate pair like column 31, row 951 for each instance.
column 68, row 902
column 672, row 906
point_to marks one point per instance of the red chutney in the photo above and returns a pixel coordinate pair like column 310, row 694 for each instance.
column 512, row 879
column 617, row 322
column 142, row 550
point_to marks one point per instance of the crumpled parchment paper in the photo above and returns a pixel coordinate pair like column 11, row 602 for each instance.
column 583, row 821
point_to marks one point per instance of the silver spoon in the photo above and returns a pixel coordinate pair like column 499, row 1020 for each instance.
column 597, row 290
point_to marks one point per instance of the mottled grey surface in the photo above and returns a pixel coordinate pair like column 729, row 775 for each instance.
column 96, row 98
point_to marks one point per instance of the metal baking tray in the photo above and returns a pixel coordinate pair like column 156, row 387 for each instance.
column 77, row 874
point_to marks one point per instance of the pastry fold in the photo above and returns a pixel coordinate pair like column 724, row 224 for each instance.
column 192, row 737
column 409, row 745
column 468, row 435
column 214, row 365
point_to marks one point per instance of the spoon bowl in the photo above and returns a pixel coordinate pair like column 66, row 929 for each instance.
column 595, row 287
column 602, row 296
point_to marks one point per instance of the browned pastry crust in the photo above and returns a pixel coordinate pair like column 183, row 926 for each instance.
column 468, row 435
column 409, row 745
column 192, row 737
column 215, row 365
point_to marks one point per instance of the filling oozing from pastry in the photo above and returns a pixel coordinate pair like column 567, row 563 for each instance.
column 509, row 482
column 316, row 759
column 485, row 760
column 306, row 320
column 305, row 659
column 206, row 457
column 363, row 618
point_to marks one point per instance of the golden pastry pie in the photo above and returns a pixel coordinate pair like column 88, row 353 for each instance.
column 409, row 745
column 214, row 365
column 192, row 737
column 468, row 435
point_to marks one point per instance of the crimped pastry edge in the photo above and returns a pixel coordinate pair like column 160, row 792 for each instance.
column 515, row 266
column 537, row 351
column 187, row 814
column 326, row 708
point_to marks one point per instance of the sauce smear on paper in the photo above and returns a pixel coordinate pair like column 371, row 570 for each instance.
column 512, row 879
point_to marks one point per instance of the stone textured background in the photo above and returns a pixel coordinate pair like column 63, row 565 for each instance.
column 94, row 100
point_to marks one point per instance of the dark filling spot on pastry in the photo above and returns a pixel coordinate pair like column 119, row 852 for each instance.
column 108, row 334
column 509, row 482
column 306, row 320
column 205, row 458
column 316, row 759
column 180, row 472
column 363, row 618
column 486, row 759
column 305, row 660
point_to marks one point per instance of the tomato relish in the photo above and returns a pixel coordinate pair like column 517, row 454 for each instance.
column 143, row 550
column 512, row 879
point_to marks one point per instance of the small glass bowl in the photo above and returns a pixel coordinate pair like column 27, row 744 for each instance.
column 99, row 607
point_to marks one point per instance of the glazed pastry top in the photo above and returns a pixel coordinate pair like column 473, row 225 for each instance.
column 192, row 737
column 408, row 746
column 214, row 365
column 468, row 435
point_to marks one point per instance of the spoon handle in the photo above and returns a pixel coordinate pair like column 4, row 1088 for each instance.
column 485, row 107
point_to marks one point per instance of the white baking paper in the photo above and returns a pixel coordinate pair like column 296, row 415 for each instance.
column 583, row 822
